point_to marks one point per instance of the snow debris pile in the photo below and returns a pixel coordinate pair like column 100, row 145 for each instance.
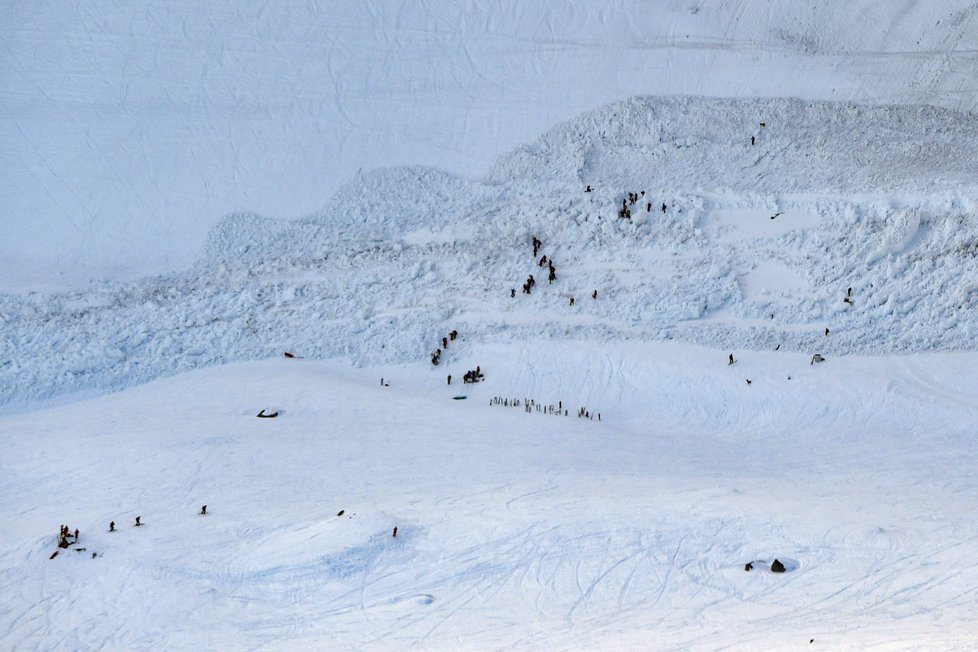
column 808, row 226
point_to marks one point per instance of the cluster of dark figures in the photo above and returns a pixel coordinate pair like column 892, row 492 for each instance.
column 436, row 356
column 471, row 376
column 583, row 413
column 530, row 281
column 530, row 405
column 625, row 212
column 64, row 534
column 552, row 276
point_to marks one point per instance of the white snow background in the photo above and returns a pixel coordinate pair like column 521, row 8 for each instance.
column 159, row 139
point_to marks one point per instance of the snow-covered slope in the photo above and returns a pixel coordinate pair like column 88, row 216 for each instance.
column 515, row 530
column 708, row 237
column 127, row 130
column 880, row 200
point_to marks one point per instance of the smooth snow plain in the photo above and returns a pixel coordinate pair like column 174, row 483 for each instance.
column 124, row 395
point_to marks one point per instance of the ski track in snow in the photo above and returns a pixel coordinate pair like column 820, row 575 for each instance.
column 515, row 529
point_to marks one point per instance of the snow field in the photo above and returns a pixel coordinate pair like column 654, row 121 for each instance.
column 514, row 529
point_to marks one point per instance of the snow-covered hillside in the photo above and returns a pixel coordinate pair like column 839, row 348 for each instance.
column 515, row 529
column 127, row 130
column 716, row 264
column 880, row 200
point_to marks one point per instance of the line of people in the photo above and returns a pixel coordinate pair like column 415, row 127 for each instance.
column 436, row 356
column 530, row 405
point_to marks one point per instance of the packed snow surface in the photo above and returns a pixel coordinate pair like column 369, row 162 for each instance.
column 514, row 529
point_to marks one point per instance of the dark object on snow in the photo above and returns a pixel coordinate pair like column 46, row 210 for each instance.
column 730, row 359
column 288, row 355
column 512, row 292
column 572, row 301
column 395, row 531
column 777, row 567
column 594, row 295
column 262, row 415
column 751, row 140
column 826, row 331
column 76, row 535
column 459, row 398
column 340, row 513
column 775, row 215
column 817, row 358
column 749, row 566
column 748, row 381
column 94, row 555
column 203, row 510
column 848, row 294
column 80, row 549
column 763, row 124
column 663, row 207
column 137, row 521
column 449, row 379
column 53, row 555
column 112, row 526
column 588, row 189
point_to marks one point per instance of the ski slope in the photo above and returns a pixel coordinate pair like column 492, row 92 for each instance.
column 127, row 131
